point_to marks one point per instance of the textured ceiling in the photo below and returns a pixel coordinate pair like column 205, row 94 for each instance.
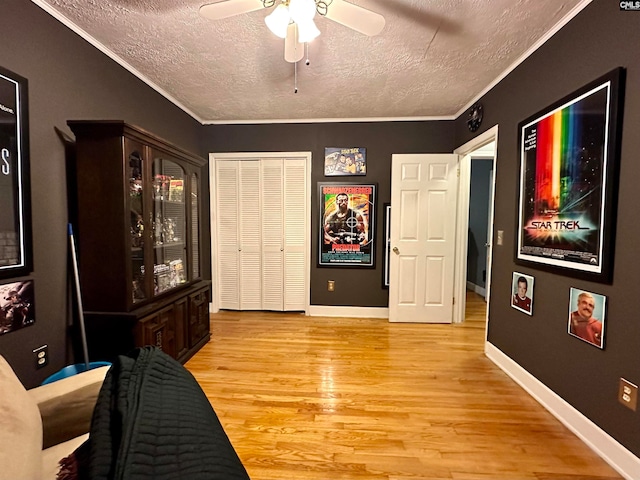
column 432, row 58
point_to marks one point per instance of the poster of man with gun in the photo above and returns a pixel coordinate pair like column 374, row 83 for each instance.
column 347, row 224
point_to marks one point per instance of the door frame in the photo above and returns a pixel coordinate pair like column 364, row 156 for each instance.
column 214, row 306
column 462, row 222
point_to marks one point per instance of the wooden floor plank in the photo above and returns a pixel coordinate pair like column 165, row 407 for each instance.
column 313, row 398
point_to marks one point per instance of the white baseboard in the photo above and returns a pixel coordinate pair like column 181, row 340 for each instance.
column 331, row 311
column 477, row 288
column 354, row 312
column 616, row 455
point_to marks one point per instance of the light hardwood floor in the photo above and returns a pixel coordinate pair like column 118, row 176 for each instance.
column 312, row 398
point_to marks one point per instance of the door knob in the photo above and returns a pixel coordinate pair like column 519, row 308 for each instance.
column 396, row 251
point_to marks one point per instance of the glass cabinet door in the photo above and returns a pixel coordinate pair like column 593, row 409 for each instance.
column 137, row 214
column 169, row 225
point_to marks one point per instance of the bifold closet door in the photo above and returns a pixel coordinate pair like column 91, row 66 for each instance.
column 296, row 227
column 238, row 229
column 249, row 236
column 284, row 223
column 227, row 183
column 272, row 234
column 262, row 223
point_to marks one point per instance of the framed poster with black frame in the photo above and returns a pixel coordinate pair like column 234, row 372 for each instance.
column 569, row 156
column 347, row 224
column 15, row 195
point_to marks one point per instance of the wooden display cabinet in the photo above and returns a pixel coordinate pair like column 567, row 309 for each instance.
column 139, row 236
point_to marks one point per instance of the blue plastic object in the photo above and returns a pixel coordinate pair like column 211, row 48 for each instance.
column 71, row 370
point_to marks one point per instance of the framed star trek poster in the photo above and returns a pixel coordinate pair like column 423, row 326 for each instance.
column 15, row 221
column 569, row 155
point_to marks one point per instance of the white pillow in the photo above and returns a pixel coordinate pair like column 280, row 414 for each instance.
column 20, row 429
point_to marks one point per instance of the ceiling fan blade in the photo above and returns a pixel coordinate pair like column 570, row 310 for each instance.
column 357, row 18
column 293, row 50
column 229, row 8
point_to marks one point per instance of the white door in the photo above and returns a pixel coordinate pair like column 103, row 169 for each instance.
column 249, row 236
column 296, row 226
column 272, row 230
column 489, row 236
column 262, row 233
column 423, row 202
column 227, row 176
column 238, row 230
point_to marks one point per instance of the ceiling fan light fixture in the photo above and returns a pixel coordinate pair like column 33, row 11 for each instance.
column 278, row 20
column 302, row 10
column 307, row 31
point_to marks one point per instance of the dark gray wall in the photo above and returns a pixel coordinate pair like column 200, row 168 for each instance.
column 354, row 286
column 599, row 39
column 68, row 79
column 478, row 220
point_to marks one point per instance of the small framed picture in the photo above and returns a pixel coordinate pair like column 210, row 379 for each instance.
column 586, row 316
column 17, row 309
column 340, row 161
column 522, row 292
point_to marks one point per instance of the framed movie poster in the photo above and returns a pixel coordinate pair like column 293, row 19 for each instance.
column 586, row 316
column 387, row 245
column 17, row 309
column 522, row 292
column 345, row 161
column 15, row 221
column 568, row 179
column 347, row 230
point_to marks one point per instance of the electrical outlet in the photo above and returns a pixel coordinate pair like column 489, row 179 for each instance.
column 628, row 394
column 41, row 356
column 331, row 285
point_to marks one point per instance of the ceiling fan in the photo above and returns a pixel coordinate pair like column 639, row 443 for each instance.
column 293, row 19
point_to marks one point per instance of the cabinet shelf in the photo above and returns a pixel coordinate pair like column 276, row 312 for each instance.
column 170, row 244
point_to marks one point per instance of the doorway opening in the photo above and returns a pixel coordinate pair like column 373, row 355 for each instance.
column 477, row 147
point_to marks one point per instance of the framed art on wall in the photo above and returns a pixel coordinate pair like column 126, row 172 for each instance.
column 17, row 308
column 587, row 316
column 568, row 175
column 522, row 292
column 345, row 161
column 347, row 230
column 15, row 221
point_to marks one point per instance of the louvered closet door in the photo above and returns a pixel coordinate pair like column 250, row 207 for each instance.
column 227, row 182
column 250, row 236
column 296, row 223
column 272, row 231
column 262, row 226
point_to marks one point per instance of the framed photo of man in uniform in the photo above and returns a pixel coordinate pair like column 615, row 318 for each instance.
column 347, row 228
column 586, row 316
column 522, row 292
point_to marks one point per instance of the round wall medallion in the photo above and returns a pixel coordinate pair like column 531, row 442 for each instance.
column 475, row 117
